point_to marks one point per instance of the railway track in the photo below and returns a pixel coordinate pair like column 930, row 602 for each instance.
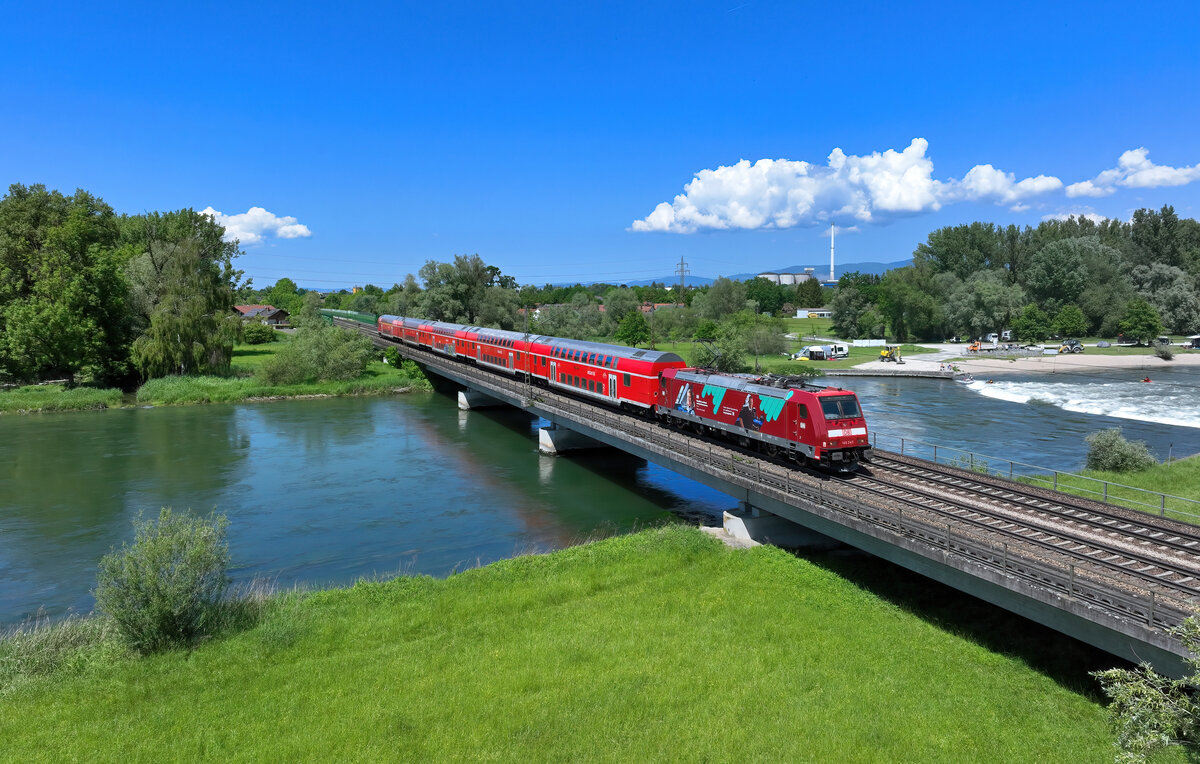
column 1165, row 535
column 1109, row 557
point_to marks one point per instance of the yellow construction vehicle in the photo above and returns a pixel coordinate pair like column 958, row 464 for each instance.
column 891, row 353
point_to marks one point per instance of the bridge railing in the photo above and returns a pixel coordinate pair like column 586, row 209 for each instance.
column 1131, row 497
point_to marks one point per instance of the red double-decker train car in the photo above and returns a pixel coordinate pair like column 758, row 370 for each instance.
column 783, row 416
column 615, row 374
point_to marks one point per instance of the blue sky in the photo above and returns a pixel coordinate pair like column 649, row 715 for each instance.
column 543, row 135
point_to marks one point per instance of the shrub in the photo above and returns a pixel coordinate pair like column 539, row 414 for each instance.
column 318, row 354
column 257, row 333
column 391, row 357
column 1110, row 452
column 1164, row 351
column 165, row 590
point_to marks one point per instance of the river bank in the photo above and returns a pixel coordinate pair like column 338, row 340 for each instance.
column 241, row 386
column 649, row 646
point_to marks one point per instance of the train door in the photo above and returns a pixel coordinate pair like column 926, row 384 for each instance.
column 553, row 368
column 612, row 386
column 511, row 365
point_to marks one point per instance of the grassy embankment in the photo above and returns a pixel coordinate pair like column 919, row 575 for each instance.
column 239, row 385
column 36, row 398
column 1180, row 478
column 662, row 645
column 242, row 384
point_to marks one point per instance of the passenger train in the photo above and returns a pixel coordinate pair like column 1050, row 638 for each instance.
column 781, row 415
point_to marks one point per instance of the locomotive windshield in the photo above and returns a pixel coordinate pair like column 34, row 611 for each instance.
column 840, row 407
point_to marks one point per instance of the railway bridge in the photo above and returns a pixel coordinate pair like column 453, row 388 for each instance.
column 1113, row 578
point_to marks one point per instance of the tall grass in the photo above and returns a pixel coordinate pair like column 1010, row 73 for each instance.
column 35, row 398
column 379, row 378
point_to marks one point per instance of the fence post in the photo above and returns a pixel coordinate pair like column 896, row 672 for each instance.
column 1010, row 469
column 1056, row 480
column 1105, row 491
column 935, row 454
column 972, row 461
column 1162, row 512
column 1005, row 559
column 902, row 446
column 1071, row 585
column 947, row 537
column 1151, row 619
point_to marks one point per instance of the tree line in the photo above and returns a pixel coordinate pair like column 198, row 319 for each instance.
column 1070, row 277
column 87, row 294
column 734, row 319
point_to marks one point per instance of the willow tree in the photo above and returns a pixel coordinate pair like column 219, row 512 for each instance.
column 192, row 325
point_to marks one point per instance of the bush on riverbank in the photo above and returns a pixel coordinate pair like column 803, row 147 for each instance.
column 165, row 589
column 318, row 354
column 1109, row 451
column 639, row 647
column 34, row 398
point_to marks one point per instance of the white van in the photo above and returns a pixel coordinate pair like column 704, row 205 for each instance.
column 839, row 350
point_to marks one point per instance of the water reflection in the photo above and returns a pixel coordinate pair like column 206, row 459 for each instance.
column 318, row 491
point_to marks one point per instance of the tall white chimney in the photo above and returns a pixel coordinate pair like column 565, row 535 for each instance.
column 831, row 227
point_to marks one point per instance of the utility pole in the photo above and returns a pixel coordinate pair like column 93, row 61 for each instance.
column 682, row 272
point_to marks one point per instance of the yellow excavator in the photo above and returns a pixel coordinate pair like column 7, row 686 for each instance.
column 891, row 353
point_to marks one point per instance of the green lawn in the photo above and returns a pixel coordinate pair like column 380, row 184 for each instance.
column 663, row 645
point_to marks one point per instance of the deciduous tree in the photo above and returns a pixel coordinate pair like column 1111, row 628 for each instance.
column 633, row 329
column 1140, row 322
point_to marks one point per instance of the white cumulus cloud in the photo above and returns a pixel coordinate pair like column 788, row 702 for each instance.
column 256, row 224
column 782, row 193
column 1134, row 170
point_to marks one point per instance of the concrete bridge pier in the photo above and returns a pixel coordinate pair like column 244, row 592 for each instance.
column 470, row 399
column 750, row 523
column 556, row 440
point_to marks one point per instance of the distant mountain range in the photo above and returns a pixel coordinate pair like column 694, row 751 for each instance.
column 820, row 271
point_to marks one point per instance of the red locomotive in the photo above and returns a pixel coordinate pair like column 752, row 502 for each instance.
column 781, row 415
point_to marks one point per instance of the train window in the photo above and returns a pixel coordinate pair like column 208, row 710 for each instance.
column 840, row 407
column 626, row 380
column 803, row 411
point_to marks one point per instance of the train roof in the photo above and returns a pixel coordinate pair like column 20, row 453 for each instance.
column 759, row 385
column 584, row 346
column 616, row 351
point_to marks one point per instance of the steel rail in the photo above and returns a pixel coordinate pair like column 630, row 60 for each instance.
column 1117, row 521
